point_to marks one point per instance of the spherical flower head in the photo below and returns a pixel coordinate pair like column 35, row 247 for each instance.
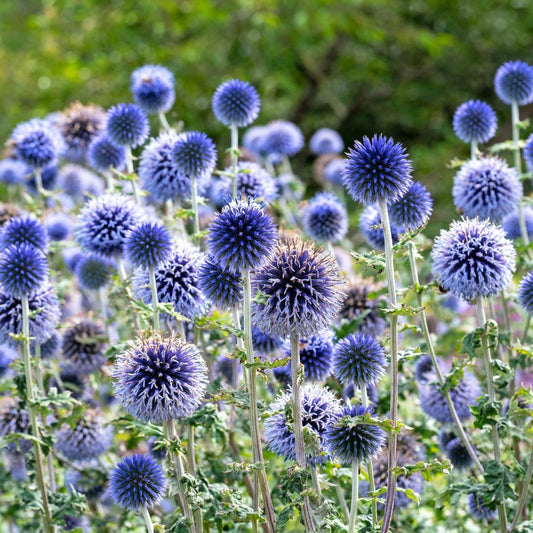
column 371, row 227
column 75, row 180
column 359, row 359
column 316, row 353
column 37, row 144
column 424, row 370
column 194, row 154
column 160, row 378
column 325, row 218
column 86, row 439
column 127, row 125
column 349, row 442
column 487, row 188
column 514, row 83
column 282, row 138
column 71, row 256
column 50, row 348
column 222, row 287
column 473, row 259
column 326, row 141
column 7, row 355
column 527, row 152
column 148, row 245
column 334, row 170
column 320, row 409
column 153, row 88
column 13, row 172
column 300, row 288
column 253, row 138
column 265, row 344
column 79, row 125
column 413, row 209
column 511, row 223
column 84, row 347
column 103, row 154
column 104, row 224
column 58, row 226
column 475, row 121
column 236, row 103
column 525, row 293
column 23, row 270
column 24, row 230
column 44, row 315
column 377, row 169
column 479, row 510
column 241, row 236
column 454, row 449
column 176, row 282
column 137, row 481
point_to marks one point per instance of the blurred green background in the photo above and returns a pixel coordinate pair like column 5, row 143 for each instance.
column 397, row 67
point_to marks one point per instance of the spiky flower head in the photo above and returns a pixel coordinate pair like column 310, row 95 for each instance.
column 84, row 347
column 58, row 226
column 13, row 172
column 413, row 209
column 424, row 371
column 148, row 245
column 93, row 272
column 473, row 259
column 349, row 442
column 23, row 270
column 334, row 170
column 252, row 140
column 377, row 169
column 514, row 82
column 325, row 218
column 75, row 180
column 282, row 138
column 25, row 229
column 37, row 144
column 127, row 125
column 194, row 154
column 137, row 481
column 160, row 378
column 236, row 103
column 326, row 141
column 265, row 344
column 511, row 223
column 478, row 509
column 176, row 283
column 104, row 223
column 486, row 188
column 525, row 293
column 300, row 290
column 153, row 88
column 241, row 236
column 454, row 449
column 86, row 439
column 103, row 154
column 475, row 121
column 320, row 408
column 359, row 359
column 371, row 227
column 222, row 287
column 79, row 125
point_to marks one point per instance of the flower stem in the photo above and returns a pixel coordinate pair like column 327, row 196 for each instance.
column 342, row 500
column 369, row 467
column 164, row 122
column 389, row 269
column 130, row 170
column 194, row 201
column 234, row 158
column 155, row 302
column 431, row 349
column 147, row 519
column 316, row 482
column 102, row 297
column 109, row 180
column 473, row 150
column 524, row 492
column 355, row 496
column 191, row 461
column 39, row 182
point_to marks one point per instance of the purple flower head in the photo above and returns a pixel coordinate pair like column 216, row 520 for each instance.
column 194, row 154
column 511, row 223
column 153, row 88
column 475, row 121
column 282, row 138
column 454, row 449
column 371, row 228
column 93, row 272
column 334, row 171
column 236, row 103
column 127, row 125
column 325, row 218
column 525, row 293
column 514, row 83
column 263, row 343
column 326, row 141
column 413, row 209
column 148, row 245
column 58, row 226
column 13, row 172
column 84, row 347
column 479, row 510
column 25, row 229
column 222, row 287
column 104, row 154
column 23, row 270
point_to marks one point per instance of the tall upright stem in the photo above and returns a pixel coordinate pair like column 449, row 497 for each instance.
column 164, row 122
column 102, row 297
column 39, row 182
column 191, row 461
column 473, row 150
column 147, row 519
column 389, row 270
column 194, row 200
column 523, row 493
column 130, row 170
column 355, row 496
column 369, row 467
column 234, row 159
column 155, row 301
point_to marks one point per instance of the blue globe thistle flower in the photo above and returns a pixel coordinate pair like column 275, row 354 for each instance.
column 486, row 188
column 282, row 374
column 48, row 179
column 241, row 236
column 320, row 409
column 370, row 226
column 84, row 347
column 236, row 103
column 377, row 169
column 16, row 465
column 463, row 395
column 479, row 510
column 221, row 286
column 13, row 172
column 527, row 152
column 413, row 209
column 265, row 344
column 14, row 419
column 75, row 180
column 252, row 139
column 104, row 154
column 160, row 379
column 71, row 255
column 511, row 223
column 359, row 359
column 104, row 223
column 148, row 245
column 23, row 270
column 350, row 442
column 137, row 481
column 194, row 154
column 424, row 370
column 334, row 170
column 37, row 144
column 281, row 138
column 58, row 226
column 473, row 259
column 153, row 88
column 127, row 125
column 452, row 446
column 86, row 439
column 514, row 82
column 24, row 230
column 326, row 141
column 7, row 355
column 301, row 290
column 525, row 293
column 475, row 121
column 79, row 125
column 49, row 348
column 176, row 283
column 325, row 218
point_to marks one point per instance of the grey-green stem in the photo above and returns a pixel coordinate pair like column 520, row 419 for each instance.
column 155, row 300
column 473, row 150
column 147, row 519
column 130, row 170
column 355, row 496
column 194, row 200
column 234, row 159
column 369, row 467
column 164, row 122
